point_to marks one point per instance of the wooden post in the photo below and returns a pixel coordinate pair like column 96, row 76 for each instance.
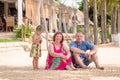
column 119, row 19
column 74, row 22
column 6, row 9
column 54, row 20
column 39, row 2
column 23, row 33
column 50, row 19
column 20, row 14
column 45, row 25
column 60, row 19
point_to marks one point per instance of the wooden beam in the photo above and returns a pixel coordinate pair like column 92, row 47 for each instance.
column 20, row 17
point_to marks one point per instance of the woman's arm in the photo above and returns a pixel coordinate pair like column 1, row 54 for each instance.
column 52, row 53
column 67, row 50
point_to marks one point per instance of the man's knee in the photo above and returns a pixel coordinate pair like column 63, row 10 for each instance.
column 75, row 54
column 93, row 55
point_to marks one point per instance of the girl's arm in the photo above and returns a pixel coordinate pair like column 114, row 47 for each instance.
column 35, row 40
column 54, row 54
column 39, row 40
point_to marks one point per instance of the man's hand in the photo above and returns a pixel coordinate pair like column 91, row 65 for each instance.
column 89, row 55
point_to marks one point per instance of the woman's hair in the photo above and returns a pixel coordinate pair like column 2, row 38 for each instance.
column 60, row 34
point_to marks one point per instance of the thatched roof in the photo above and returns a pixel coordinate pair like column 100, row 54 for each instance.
column 8, row 1
column 51, row 2
column 80, row 18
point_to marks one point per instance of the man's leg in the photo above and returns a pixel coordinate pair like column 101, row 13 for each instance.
column 95, row 60
column 78, row 60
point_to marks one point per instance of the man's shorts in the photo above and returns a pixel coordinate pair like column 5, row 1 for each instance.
column 84, row 59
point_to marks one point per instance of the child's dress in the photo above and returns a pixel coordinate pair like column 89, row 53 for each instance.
column 56, row 63
column 36, row 49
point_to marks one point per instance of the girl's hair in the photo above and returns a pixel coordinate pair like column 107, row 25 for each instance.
column 60, row 34
column 39, row 27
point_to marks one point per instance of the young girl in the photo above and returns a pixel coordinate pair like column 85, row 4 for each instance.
column 36, row 46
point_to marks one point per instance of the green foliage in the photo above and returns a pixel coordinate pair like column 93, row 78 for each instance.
column 57, row 1
column 80, row 29
column 23, row 30
column 9, row 40
column 70, row 29
column 91, row 13
column 108, row 33
column 17, row 31
column 108, row 20
column 81, row 6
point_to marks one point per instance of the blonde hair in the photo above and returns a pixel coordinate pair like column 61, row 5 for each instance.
column 81, row 34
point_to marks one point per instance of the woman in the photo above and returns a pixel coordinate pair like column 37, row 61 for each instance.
column 58, row 54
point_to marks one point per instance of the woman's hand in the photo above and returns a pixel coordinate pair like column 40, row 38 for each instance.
column 68, row 56
column 63, row 56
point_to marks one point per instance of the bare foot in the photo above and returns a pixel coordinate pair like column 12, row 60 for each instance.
column 86, row 67
column 35, row 69
column 73, row 67
column 101, row 68
column 68, row 67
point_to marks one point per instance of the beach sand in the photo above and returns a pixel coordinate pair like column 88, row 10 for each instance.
column 17, row 65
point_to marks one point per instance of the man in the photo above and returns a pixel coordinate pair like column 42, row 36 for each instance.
column 80, row 55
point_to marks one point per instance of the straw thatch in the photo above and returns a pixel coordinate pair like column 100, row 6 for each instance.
column 80, row 18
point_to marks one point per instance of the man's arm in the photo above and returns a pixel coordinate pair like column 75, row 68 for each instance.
column 94, row 50
column 77, row 50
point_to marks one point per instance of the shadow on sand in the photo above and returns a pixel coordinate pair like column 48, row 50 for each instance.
column 27, row 73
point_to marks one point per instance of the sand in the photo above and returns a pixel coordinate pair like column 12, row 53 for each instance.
column 17, row 65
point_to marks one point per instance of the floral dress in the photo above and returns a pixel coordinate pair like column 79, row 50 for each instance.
column 36, row 49
column 56, row 63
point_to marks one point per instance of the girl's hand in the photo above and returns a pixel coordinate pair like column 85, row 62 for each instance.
column 39, row 54
column 30, row 54
column 40, row 41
